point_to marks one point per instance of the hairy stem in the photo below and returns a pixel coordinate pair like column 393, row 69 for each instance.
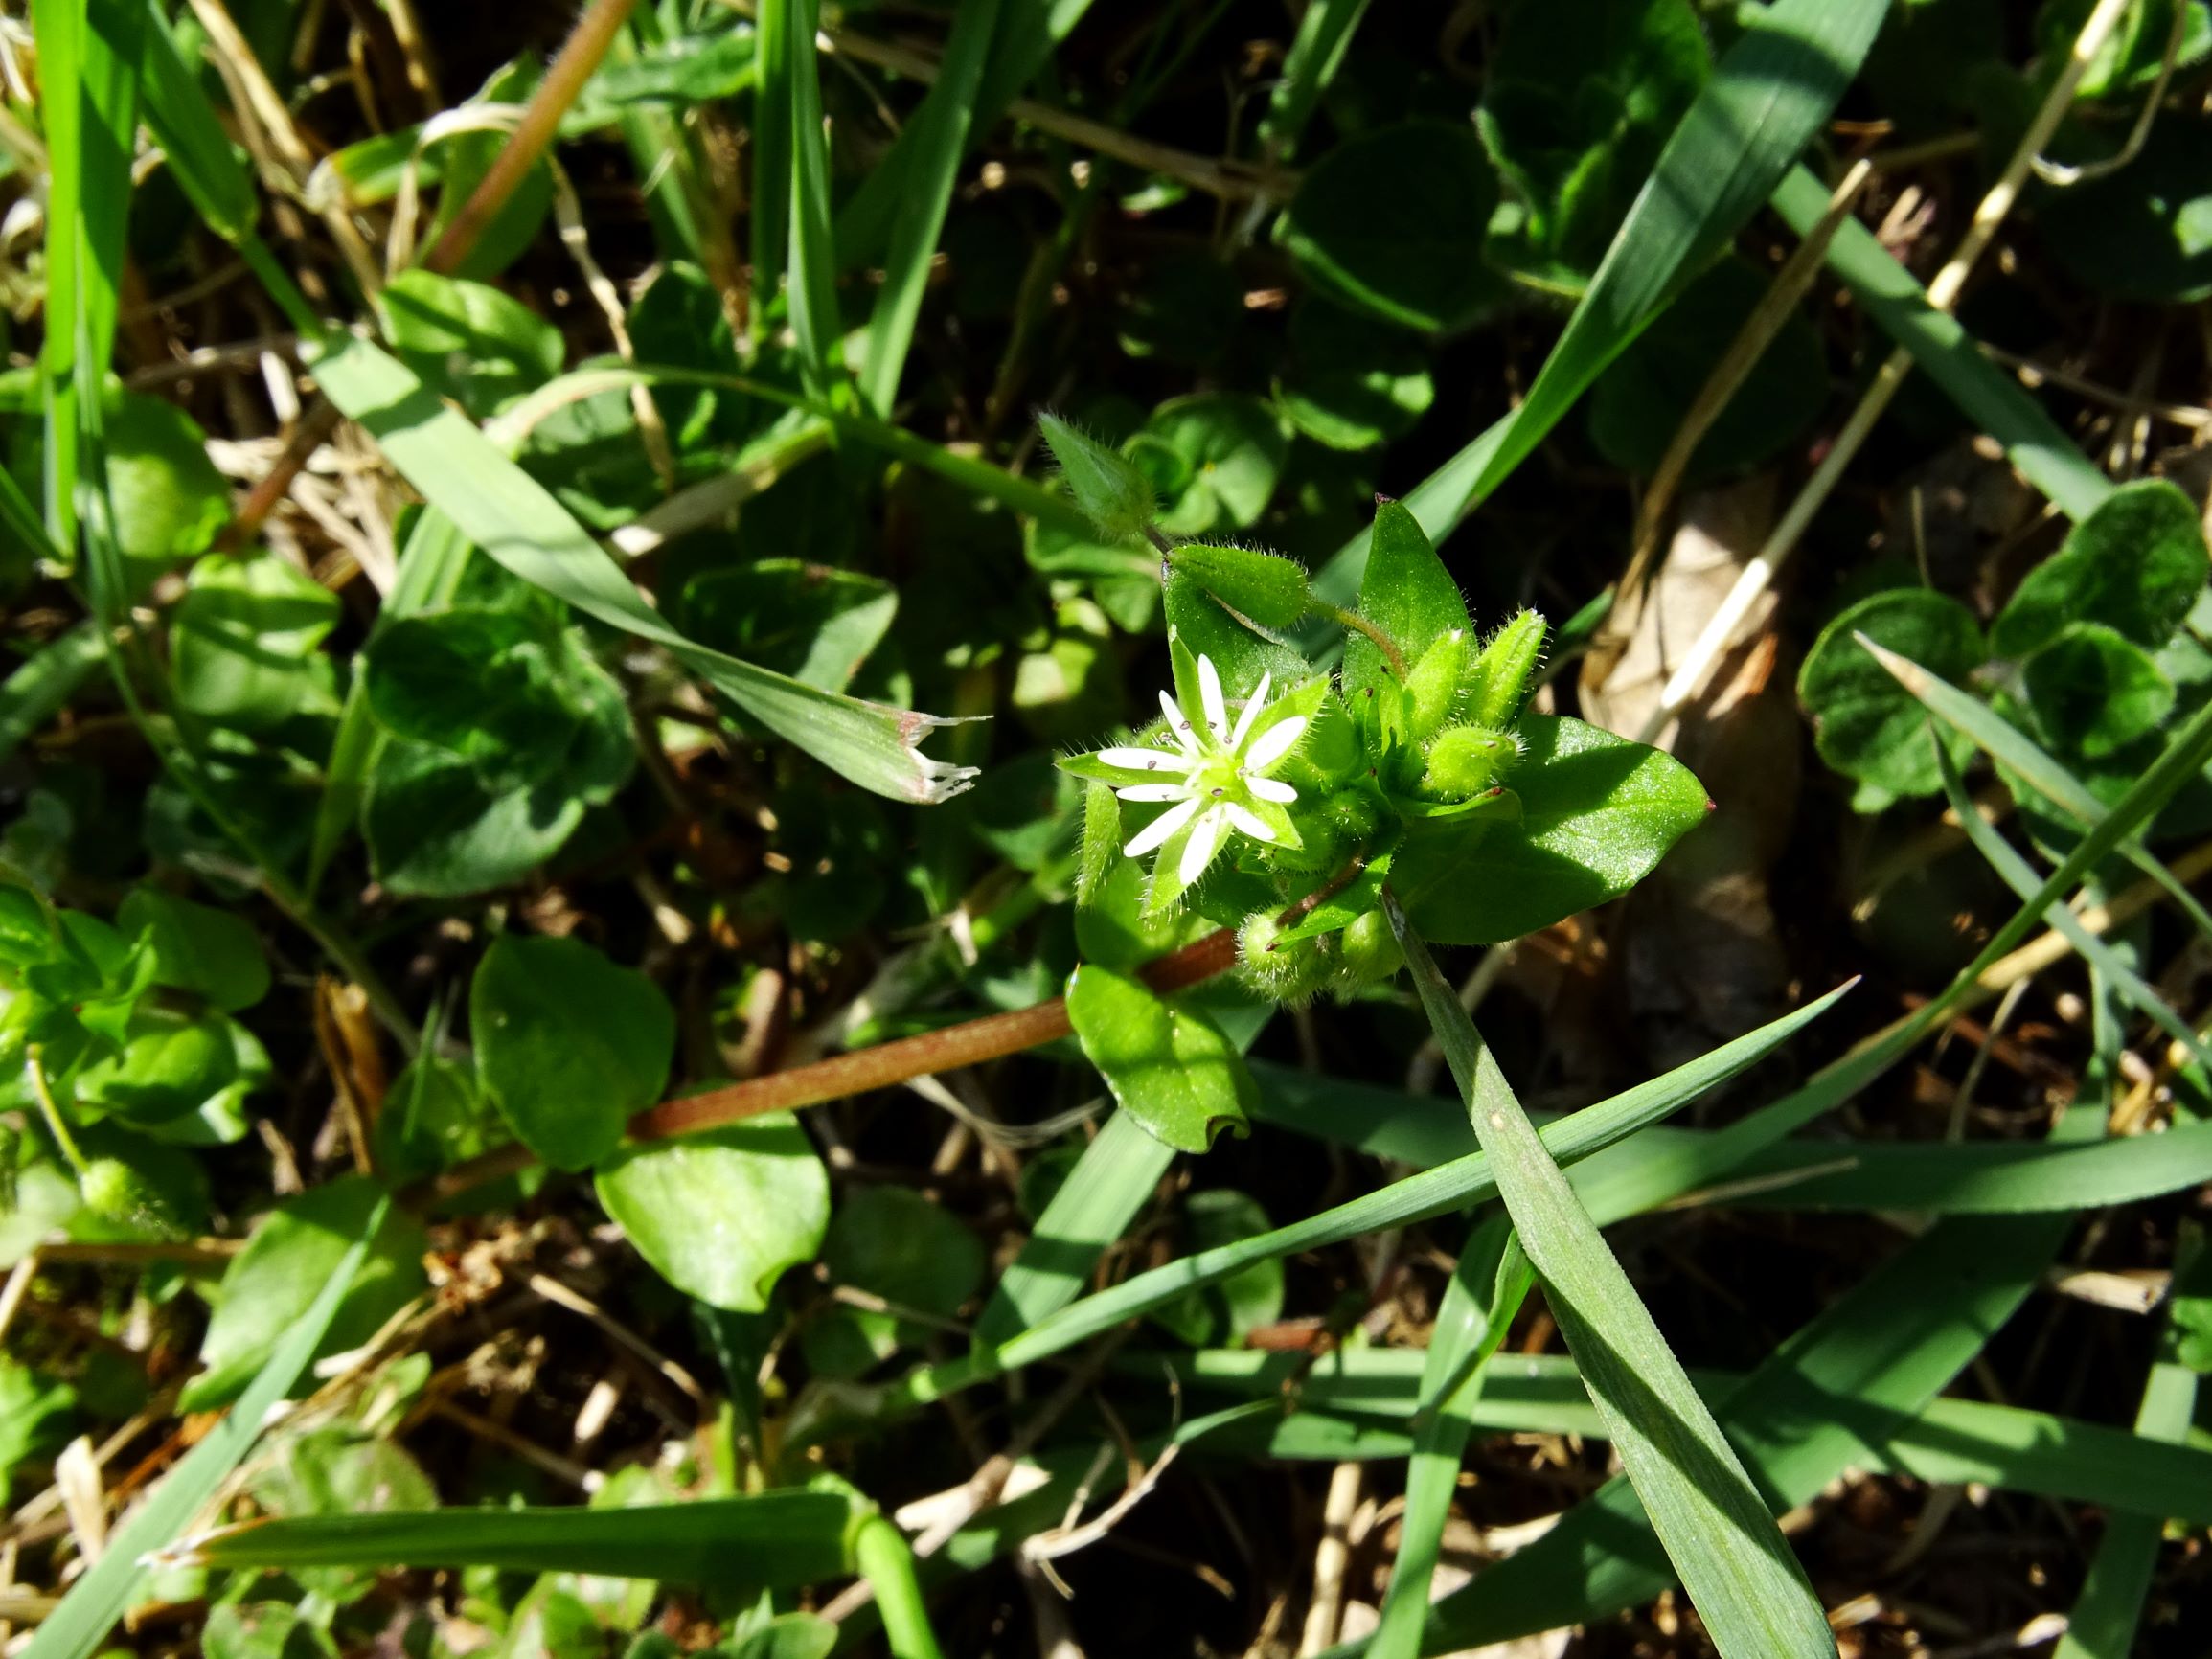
column 1352, row 619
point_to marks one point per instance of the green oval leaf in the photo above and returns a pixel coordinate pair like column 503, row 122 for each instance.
column 1864, row 723
column 1392, row 223
column 1597, row 815
column 568, row 1045
column 2136, row 565
column 1171, row 1068
column 720, row 1216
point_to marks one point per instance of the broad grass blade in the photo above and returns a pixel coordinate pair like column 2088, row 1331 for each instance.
column 1455, row 1186
column 1767, row 99
column 1946, row 354
column 1315, row 52
column 1116, row 1175
column 2010, row 748
column 1025, row 38
column 770, row 1541
column 944, row 117
column 42, row 687
column 1738, row 1568
column 80, row 1625
column 514, row 518
column 1488, row 1286
column 2019, row 876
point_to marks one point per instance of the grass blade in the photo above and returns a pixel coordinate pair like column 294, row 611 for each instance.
column 1888, row 1346
column 1951, row 1441
column 809, row 288
column 1767, row 99
column 1946, row 353
column 1315, row 52
column 978, row 477
column 771, row 136
column 944, row 120
column 1452, row 1187
column 41, row 687
column 1117, row 1172
column 1488, row 1286
column 774, row 1539
column 2010, row 748
column 2110, row 1605
column 430, row 567
column 1738, row 1570
column 90, row 1610
column 1024, row 40
column 514, row 518
column 1943, row 1178
column 2019, row 876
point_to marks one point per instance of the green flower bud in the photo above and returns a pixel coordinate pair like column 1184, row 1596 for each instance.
column 1465, row 761
column 1367, row 951
column 1499, row 678
column 1112, row 493
column 1265, row 587
column 1294, row 972
column 1434, row 683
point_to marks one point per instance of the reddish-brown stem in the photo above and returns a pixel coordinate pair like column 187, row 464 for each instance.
column 533, row 133
column 969, row 1043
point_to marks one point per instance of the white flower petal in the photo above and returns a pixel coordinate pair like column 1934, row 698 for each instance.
column 1210, row 694
column 1250, row 821
column 1155, row 791
column 1276, row 741
column 1179, row 725
column 1252, row 707
column 1272, row 789
column 1161, row 827
column 1144, row 759
column 1206, row 838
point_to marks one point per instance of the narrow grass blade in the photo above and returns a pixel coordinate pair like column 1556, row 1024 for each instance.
column 184, row 124
column 1663, row 1177
column 1767, row 99
column 88, row 102
column 883, row 1557
column 978, row 477
column 1452, row 1187
column 41, row 687
column 770, row 1541
column 81, row 1624
column 809, row 288
column 2019, row 876
column 1025, row 38
column 2111, row 1605
column 1889, row 1346
column 514, row 518
column 1951, row 1441
column 430, row 567
column 1943, row 1178
column 1488, row 1286
column 1311, row 64
column 1112, row 1180
column 771, row 137
column 944, row 119
column 2010, row 748
column 1741, row 1572
column 1946, row 353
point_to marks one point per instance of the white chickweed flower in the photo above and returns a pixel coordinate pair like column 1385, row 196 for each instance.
column 1213, row 774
